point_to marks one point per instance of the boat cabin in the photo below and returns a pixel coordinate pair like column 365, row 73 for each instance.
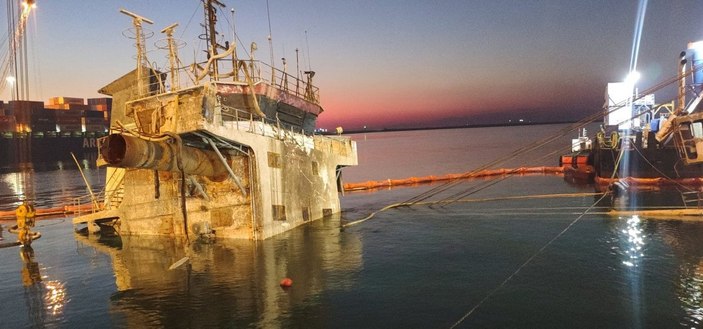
column 688, row 137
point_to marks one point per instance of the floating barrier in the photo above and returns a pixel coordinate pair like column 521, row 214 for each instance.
column 649, row 183
column 56, row 211
column 431, row 179
column 681, row 213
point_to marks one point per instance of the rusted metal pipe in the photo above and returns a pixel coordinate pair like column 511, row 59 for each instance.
column 123, row 151
column 229, row 170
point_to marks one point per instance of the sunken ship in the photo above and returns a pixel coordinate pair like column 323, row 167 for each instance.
column 221, row 148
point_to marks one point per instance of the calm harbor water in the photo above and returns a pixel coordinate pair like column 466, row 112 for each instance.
column 491, row 263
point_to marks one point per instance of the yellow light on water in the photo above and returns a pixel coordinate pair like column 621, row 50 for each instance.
column 55, row 297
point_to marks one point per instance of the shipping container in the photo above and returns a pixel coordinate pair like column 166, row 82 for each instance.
column 64, row 107
column 94, row 114
column 69, row 127
column 101, row 108
column 68, row 120
column 56, row 106
column 7, row 123
column 95, row 127
column 67, row 114
column 94, row 124
column 42, row 121
column 23, row 111
column 100, row 101
column 66, row 100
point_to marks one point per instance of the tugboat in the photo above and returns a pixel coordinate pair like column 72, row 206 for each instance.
column 647, row 147
column 234, row 155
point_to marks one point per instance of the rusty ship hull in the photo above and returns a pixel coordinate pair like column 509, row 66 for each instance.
column 223, row 159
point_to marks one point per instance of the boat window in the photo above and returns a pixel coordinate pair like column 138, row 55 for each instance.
column 685, row 131
column 697, row 129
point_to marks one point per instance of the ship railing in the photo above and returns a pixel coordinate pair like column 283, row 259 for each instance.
column 692, row 198
column 239, row 116
column 96, row 202
column 113, row 197
column 245, row 121
column 162, row 82
column 287, row 82
column 102, row 200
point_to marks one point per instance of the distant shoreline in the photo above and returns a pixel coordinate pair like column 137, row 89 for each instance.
column 488, row 125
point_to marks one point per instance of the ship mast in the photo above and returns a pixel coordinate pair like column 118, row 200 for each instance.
column 141, row 49
column 172, row 56
column 211, row 34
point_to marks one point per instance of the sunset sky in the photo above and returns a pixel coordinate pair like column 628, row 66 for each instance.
column 391, row 63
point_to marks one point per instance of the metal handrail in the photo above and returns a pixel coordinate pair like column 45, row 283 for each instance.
column 241, row 115
column 78, row 202
column 259, row 72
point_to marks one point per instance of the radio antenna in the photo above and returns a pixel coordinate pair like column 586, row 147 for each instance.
column 273, row 65
column 141, row 51
column 307, row 45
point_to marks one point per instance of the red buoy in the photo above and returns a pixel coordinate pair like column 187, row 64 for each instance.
column 286, row 283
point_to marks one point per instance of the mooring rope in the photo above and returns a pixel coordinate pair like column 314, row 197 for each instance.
column 462, row 194
column 562, row 132
column 441, row 188
column 523, row 197
column 529, row 260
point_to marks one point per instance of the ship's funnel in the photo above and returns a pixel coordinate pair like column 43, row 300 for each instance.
column 125, row 151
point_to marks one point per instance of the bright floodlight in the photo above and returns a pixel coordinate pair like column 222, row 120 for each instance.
column 697, row 46
column 29, row 4
column 10, row 79
column 632, row 78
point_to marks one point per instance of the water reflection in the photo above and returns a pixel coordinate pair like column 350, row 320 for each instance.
column 17, row 186
column 686, row 243
column 54, row 297
column 634, row 243
column 46, row 188
column 632, row 246
column 230, row 283
column 30, row 268
column 679, row 264
column 44, row 299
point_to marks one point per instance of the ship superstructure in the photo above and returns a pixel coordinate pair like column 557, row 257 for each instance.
column 232, row 155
